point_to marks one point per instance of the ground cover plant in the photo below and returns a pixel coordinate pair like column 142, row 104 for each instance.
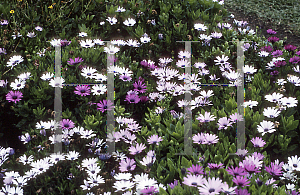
column 149, row 102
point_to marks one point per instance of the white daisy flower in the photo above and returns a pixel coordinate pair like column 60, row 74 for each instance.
column 263, row 54
column 111, row 49
column 57, row 82
column 87, row 43
column 99, row 89
column 133, row 43
column 145, row 39
column 99, row 42
column 24, row 76
column 200, row 27
column 99, row 77
column 55, row 42
column 112, row 20
column 82, row 34
column 18, row 84
column 88, row 72
column 121, row 9
column 266, row 127
column 102, row 23
column 129, row 22
column 47, row 76
column 31, row 34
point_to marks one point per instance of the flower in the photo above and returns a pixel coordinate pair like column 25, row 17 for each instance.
column 111, row 49
column 138, row 148
column 67, row 124
column 145, row 39
column 200, row 27
column 294, row 60
column 14, row 96
column 198, row 169
column 82, row 90
column 193, row 180
column 47, row 76
column 112, row 20
column 127, row 165
column 123, row 185
column 132, row 98
column 87, row 43
column 294, row 162
column 154, row 139
column 57, row 82
column 129, row 22
column 140, row 87
column 271, row 112
column 273, row 39
column 263, row 54
column 184, row 54
column 88, row 72
column 211, row 186
column 224, row 123
column 290, row 47
column 121, row 9
column 123, row 176
column 221, row 60
column 25, row 138
column 18, row 84
column 289, row 102
column 105, row 105
column 14, row 60
column 266, row 127
column 12, row 11
column 72, row 155
column 206, row 118
column 258, row 142
column 77, row 60
column 38, row 28
column 275, row 97
column 271, row 32
column 82, row 34
column 241, row 181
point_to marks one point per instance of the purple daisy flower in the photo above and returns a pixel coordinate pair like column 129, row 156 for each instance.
column 132, row 98
column 277, row 53
column 251, row 168
column 241, row 181
column 198, row 169
column 140, row 87
column 77, row 60
column 127, row 165
column 236, row 171
column 82, row 90
column 149, row 190
column 199, row 138
column 172, row 185
column 214, row 166
column 64, row 43
column 294, row 60
column 224, row 123
column 273, row 39
column 274, row 169
column 290, row 47
column 2, row 51
column 138, row 148
column 67, row 124
column 258, row 142
column 125, row 77
column 14, row 96
column 271, row 32
column 266, row 48
column 298, row 53
column 144, row 99
column 106, row 105
column 241, row 192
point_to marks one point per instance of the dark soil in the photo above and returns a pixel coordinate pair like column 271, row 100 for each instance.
column 264, row 25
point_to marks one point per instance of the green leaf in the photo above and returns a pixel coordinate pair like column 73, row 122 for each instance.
column 185, row 163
